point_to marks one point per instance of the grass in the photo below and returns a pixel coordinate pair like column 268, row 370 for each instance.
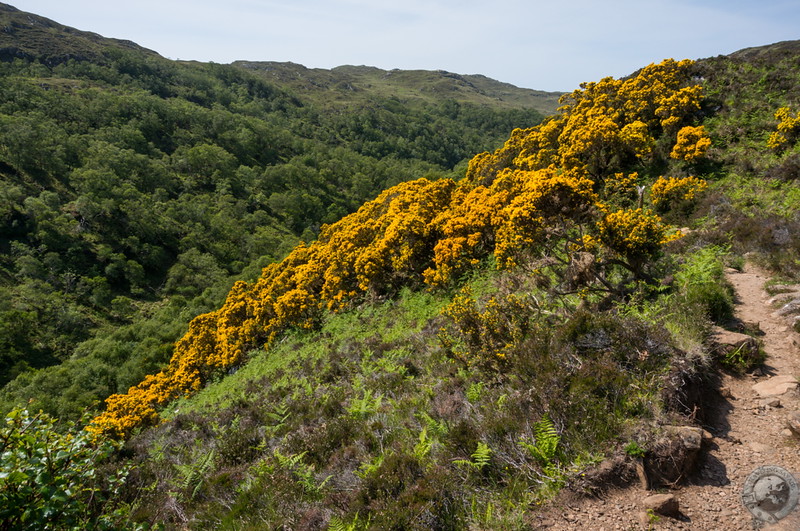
column 370, row 419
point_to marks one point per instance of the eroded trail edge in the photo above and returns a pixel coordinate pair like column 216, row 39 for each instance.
column 748, row 419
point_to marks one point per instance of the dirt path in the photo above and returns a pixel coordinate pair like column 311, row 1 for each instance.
column 749, row 432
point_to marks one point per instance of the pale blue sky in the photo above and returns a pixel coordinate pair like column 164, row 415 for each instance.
column 552, row 45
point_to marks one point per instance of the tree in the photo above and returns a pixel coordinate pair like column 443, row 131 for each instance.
column 54, row 477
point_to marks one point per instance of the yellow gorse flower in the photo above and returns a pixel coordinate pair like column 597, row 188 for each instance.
column 561, row 176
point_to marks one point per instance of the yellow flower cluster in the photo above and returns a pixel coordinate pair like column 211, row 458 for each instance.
column 667, row 192
column 634, row 234
column 692, row 143
column 543, row 188
column 787, row 130
column 384, row 245
column 602, row 125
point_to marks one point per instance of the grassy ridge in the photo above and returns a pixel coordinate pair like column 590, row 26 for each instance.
column 353, row 85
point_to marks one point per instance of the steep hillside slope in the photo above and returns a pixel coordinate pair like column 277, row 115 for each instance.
column 588, row 341
column 135, row 190
column 450, row 354
column 543, row 343
column 31, row 37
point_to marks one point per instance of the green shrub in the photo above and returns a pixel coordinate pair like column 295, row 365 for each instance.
column 701, row 280
column 51, row 479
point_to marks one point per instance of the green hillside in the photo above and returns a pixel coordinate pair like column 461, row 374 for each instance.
column 348, row 85
column 135, row 190
column 31, row 37
column 554, row 337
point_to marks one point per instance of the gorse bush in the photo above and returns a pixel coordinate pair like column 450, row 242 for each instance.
column 787, row 130
column 541, row 194
column 670, row 192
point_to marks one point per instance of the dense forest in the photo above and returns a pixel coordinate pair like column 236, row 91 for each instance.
column 135, row 190
column 364, row 311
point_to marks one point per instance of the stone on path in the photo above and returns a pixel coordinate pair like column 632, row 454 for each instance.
column 793, row 422
column 726, row 342
column 760, row 448
column 663, row 504
column 789, row 308
column 777, row 385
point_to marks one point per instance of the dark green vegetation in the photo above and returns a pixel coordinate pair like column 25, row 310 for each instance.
column 56, row 477
column 755, row 206
column 134, row 190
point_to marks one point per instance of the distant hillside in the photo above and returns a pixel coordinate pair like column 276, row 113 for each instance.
column 135, row 189
column 768, row 53
column 356, row 84
column 31, row 37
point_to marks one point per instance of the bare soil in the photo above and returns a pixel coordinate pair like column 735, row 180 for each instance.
column 747, row 434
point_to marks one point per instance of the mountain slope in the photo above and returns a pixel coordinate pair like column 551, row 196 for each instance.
column 31, row 37
column 511, row 383
column 536, row 350
column 345, row 85
column 448, row 355
column 135, row 190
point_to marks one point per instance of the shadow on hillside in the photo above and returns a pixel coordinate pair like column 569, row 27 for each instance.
column 713, row 417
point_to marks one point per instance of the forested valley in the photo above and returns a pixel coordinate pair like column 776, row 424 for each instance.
column 136, row 189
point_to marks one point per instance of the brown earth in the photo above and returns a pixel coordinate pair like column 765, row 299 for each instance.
column 749, row 431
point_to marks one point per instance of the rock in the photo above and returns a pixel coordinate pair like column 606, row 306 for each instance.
column 724, row 342
column 772, row 402
column 787, row 432
column 759, row 448
column 663, row 504
column 789, row 308
column 783, row 298
column 691, row 437
column 673, row 457
column 616, row 471
column 776, row 385
column 781, row 236
column 793, row 422
column 784, row 288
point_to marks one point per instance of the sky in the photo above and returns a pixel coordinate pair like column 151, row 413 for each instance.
column 553, row 45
